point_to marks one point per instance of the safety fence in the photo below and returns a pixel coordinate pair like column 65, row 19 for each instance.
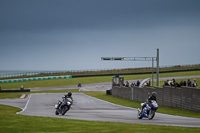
column 35, row 78
column 181, row 97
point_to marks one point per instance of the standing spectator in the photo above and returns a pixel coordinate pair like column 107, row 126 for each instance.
column 169, row 82
column 166, row 83
column 194, row 83
column 189, row 83
column 132, row 84
column 184, row 83
column 173, row 82
column 149, row 83
column 138, row 83
column 120, row 83
column 181, row 83
column 127, row 84
column 145, row 84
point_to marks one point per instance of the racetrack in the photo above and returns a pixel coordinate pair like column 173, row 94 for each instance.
column 93, row 109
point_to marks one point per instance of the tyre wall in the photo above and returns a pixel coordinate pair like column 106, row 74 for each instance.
column 181, row 97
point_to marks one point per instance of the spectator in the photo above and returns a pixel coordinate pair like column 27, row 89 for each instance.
column 194, row 83
column 132, row 84
column 149, row 83
column 184, row 83
column 127, row 84
column 189, row 83
column 166, row 83
column 173, row 83
column 138, row 83
column 177, row 84
column 120, row 83
column 169, row 82
column 145, row 84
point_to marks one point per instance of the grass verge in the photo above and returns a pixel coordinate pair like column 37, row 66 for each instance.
column 11, row 122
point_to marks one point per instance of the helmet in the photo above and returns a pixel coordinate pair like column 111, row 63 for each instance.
column 69, row 94
column 154, row 94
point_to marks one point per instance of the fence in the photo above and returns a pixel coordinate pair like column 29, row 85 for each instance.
column 36, row 78
column 182, row 97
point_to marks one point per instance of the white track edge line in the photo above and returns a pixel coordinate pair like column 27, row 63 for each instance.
column 25, row 106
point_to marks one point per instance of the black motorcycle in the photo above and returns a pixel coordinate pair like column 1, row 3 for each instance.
column 65, row 105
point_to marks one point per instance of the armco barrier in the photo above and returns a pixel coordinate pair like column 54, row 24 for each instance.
column 35, row 78
column 181, row 97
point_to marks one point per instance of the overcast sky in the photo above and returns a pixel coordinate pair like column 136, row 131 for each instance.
column 75, row 34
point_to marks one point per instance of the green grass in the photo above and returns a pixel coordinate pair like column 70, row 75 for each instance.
column 136, row 104
column 11, row 122
column 86, row 80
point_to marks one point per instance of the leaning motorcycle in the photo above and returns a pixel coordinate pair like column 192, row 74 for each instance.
column 148, row 111
column 66, row 104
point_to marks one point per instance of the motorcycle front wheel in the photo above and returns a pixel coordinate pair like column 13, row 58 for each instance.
column 151, row 114
column 56, row 112
column 65, row 109
column 139, row 115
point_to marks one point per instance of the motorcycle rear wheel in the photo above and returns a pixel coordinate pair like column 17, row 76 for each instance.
column 151, row 114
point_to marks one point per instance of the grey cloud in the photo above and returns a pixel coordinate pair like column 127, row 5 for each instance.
column 94, row 14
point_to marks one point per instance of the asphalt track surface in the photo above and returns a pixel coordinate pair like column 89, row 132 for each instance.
column 92, row 109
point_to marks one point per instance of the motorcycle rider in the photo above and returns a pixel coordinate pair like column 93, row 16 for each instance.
column 65, row 99
column 152, row 97
column 69, row 95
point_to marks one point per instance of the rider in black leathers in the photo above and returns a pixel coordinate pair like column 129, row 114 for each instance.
column 68, row 95
column 152, row 97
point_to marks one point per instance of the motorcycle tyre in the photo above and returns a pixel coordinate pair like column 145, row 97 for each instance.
column 65, row 109
column 150, row 115
column 57, row 113
column 139, row 115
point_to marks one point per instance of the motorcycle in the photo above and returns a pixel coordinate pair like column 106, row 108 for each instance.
column 66, row 104
column 148, row 111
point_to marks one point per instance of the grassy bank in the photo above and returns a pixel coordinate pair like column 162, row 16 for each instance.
column 11, row 122
column 87, row 80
